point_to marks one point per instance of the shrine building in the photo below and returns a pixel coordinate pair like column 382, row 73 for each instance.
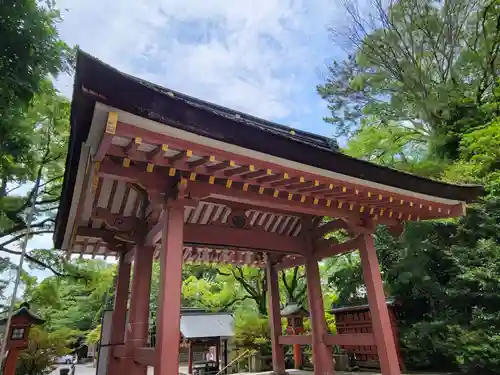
column 155, row 174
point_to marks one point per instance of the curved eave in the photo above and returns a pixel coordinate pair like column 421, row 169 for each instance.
column 98, row 82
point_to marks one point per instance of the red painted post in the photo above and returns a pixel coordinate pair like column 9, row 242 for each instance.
column 138, row 321
column 117, row 335
column 275, row 319
column 322, row 353
column 381, row 323
column 297, row 356
column 190, row 358
column 169, row 297
column 11, row 361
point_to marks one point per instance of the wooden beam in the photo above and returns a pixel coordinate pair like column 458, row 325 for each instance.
column 290, row 263
column 351, row 339
column 266, row 198
column 337, row 249
column 295, row 339
column 145, row 356
column 154, row 234
column 107, row 137
column 225, row 236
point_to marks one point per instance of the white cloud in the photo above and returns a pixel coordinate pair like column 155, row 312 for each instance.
column 255, row 56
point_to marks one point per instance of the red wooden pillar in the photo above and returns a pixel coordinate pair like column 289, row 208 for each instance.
column 138, row 321
column 117, row 335
column 190, row 358
column 169, row 298
column 11, row 361
column 381, row 323
column 322, row 353
column 275, row 319
column 297, row 356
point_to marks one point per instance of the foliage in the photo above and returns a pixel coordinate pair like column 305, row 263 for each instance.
column 31, row 51
column 94, row 336
column 69, row 303
column 43, row 350
column 415, row 79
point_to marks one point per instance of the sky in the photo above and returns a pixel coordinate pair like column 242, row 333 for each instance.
column 263, row 57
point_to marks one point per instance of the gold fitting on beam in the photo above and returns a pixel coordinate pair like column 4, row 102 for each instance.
column 351, row 206
column 290, row 196
column 251, row 168
column 372, row 210
column 391, row 213
column 315, row 201
column 409, row 216
column 189, row 153
column 330, row 186
column 380, row 197
column 328, row 203
column 138, row 140
column 400, row 215
column 229, row 183
column 171, row 172
column 192, row 176
column 356, row 191
column 285, row 176
column 150, row 167
column 261, row 190
column 344, row 189
column 245, row 186
column 340, row 205
column 391, row 199
column 382, row 212
column 211, row 180
column 401, row 201
column 362, row 209
column 232, row 163
column 302, row 179
column 269, row 172
column 316, row 183
column 276, row 193
column 211, row 158
column 112, row 122
column 126, row 162
column 164, row 147
column 184, row 181
column 369, row 194
column 411, row 204
column 302, row 199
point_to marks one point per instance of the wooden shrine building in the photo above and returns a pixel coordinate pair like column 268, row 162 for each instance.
column 355, row 319
column 152, row 173
column 202, row 332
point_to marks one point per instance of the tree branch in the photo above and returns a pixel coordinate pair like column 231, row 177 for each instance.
column 36, row 261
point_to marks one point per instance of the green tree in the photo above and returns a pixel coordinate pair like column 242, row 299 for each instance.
column 44, row 347
column 415, row 79
column 30, row 51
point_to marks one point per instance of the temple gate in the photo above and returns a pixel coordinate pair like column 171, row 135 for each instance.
column 152, row 173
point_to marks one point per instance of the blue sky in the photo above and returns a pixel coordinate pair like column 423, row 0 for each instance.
column 263, row 57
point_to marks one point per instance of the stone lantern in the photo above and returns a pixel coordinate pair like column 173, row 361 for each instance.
column 295, row 315
column 17, row 340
